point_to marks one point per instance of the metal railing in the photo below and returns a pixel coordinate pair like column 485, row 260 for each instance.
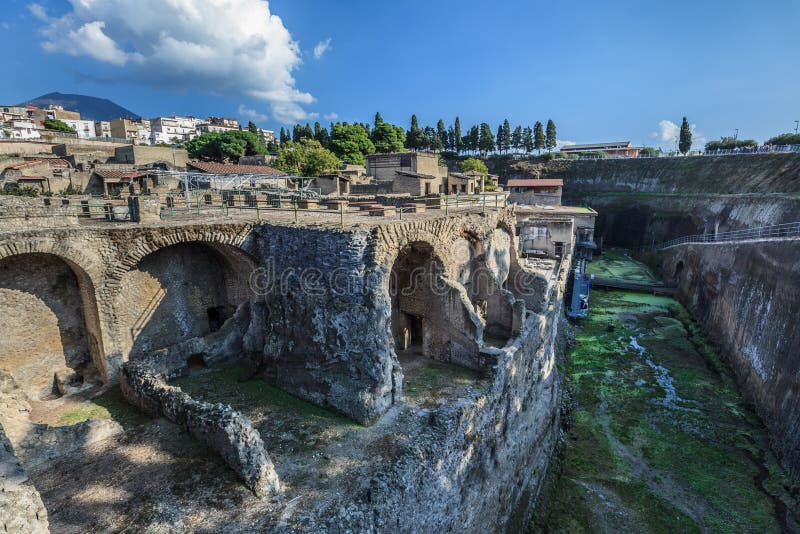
column 778, row 231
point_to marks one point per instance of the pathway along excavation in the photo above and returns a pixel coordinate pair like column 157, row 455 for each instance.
column 658, row 438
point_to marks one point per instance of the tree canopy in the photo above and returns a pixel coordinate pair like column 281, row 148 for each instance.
column 55, row 124
column 306, row 157
column 474, row 164
column 538, row 136
column 784, row 139
column 685, row 140
column 351, row 143
column 550, row 136
column 225, row 146
column 388, row 138
column 727, row 143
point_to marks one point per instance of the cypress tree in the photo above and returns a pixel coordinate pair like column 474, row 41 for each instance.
column 538, row 136
column 486, row 142
column 441, row 133
column 550, row 136
column 516, row 139
column 459, row 141
column 506, row 135
column 527, row 140
column 685, row 140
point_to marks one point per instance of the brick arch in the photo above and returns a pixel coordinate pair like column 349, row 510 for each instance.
column 86, row 271
column 77, row 259
column 240, row 239
column 397, row 241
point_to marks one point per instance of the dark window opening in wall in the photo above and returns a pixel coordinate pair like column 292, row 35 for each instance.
column 678, row 270
column 427, row 188
column 197, row 361
column 405, row 161
column 217, row 315
column 559, row 249
column 415, row 329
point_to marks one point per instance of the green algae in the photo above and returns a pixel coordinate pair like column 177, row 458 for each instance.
column 110, row 405
column 617, row 265
column 660, row 440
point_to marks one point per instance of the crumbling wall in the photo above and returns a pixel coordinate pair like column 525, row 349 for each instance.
column 21, row 507
column 478, row 463
column 747, row 298
column 223, row 429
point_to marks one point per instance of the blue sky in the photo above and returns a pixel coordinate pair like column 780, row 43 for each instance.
column 603, row 71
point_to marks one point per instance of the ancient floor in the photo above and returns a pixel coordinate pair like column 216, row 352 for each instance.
column 155, row 478
column 660, row 440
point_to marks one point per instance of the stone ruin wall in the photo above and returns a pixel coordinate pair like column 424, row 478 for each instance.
column 345, row 358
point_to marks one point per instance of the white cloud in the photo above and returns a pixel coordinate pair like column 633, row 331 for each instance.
column 332, row 116
column 251, row 114
column 321, row 48
column 668, row 132
column 5, row 26
column 39, row 12
column 232, row 47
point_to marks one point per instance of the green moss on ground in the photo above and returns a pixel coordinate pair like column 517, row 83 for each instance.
column 109, row 405
column 223, row 386
column 645, row 457
column 615, row 264
column 431, row 382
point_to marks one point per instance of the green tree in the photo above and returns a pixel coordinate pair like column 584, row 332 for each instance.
column 516, row 139
column 322, row 136
column 458, row 141
column 473, row 139
column 551, row 138
column 500, row 140
column 506, row 135
column 252, row 128
column 784, row 139
column 486, row 140
column 441, row 133
column 225, row 146
column 284, row 136
column 378, row 119
column 415, row 138
column 538, row 137
column 388, row 138
column 55, row 124
column 474, row 164
column 306, row 158
column 685, row 139
column 527, row 140
column 351, row 143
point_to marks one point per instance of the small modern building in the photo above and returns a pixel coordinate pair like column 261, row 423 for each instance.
column 622, row 148
column 332, row 184
column 551, row 231
column 532, row 191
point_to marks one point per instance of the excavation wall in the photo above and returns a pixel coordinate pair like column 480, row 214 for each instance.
column 747, row 297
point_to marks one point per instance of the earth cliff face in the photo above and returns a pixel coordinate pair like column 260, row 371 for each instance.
column 748, row 298
column 745, row 295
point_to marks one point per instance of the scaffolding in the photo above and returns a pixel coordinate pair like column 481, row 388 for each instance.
column 270, row 183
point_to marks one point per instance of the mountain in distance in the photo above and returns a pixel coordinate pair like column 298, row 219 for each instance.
column 90, row 107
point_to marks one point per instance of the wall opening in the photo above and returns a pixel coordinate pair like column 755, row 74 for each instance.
column 678, row 270
column 48, row 325
column 180, row 292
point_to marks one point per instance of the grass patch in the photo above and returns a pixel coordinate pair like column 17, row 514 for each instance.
column 676, row 414
column 110, row 405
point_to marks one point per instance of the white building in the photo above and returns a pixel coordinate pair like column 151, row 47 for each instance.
column 168, row 128
column 20, row 129
column 85, row 129
column 102, row 129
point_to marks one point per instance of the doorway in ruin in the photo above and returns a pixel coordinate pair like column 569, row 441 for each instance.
column 49, row 325
column 180, row 292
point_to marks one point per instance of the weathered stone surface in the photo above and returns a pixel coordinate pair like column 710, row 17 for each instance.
column 220, row 427
column 21, row 507
column 747, row 297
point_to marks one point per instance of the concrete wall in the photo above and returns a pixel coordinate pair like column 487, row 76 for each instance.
column 24, row 148
column 747, row 298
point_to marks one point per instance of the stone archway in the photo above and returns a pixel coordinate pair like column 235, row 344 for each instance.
column 180, row 292
column 50, row 325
